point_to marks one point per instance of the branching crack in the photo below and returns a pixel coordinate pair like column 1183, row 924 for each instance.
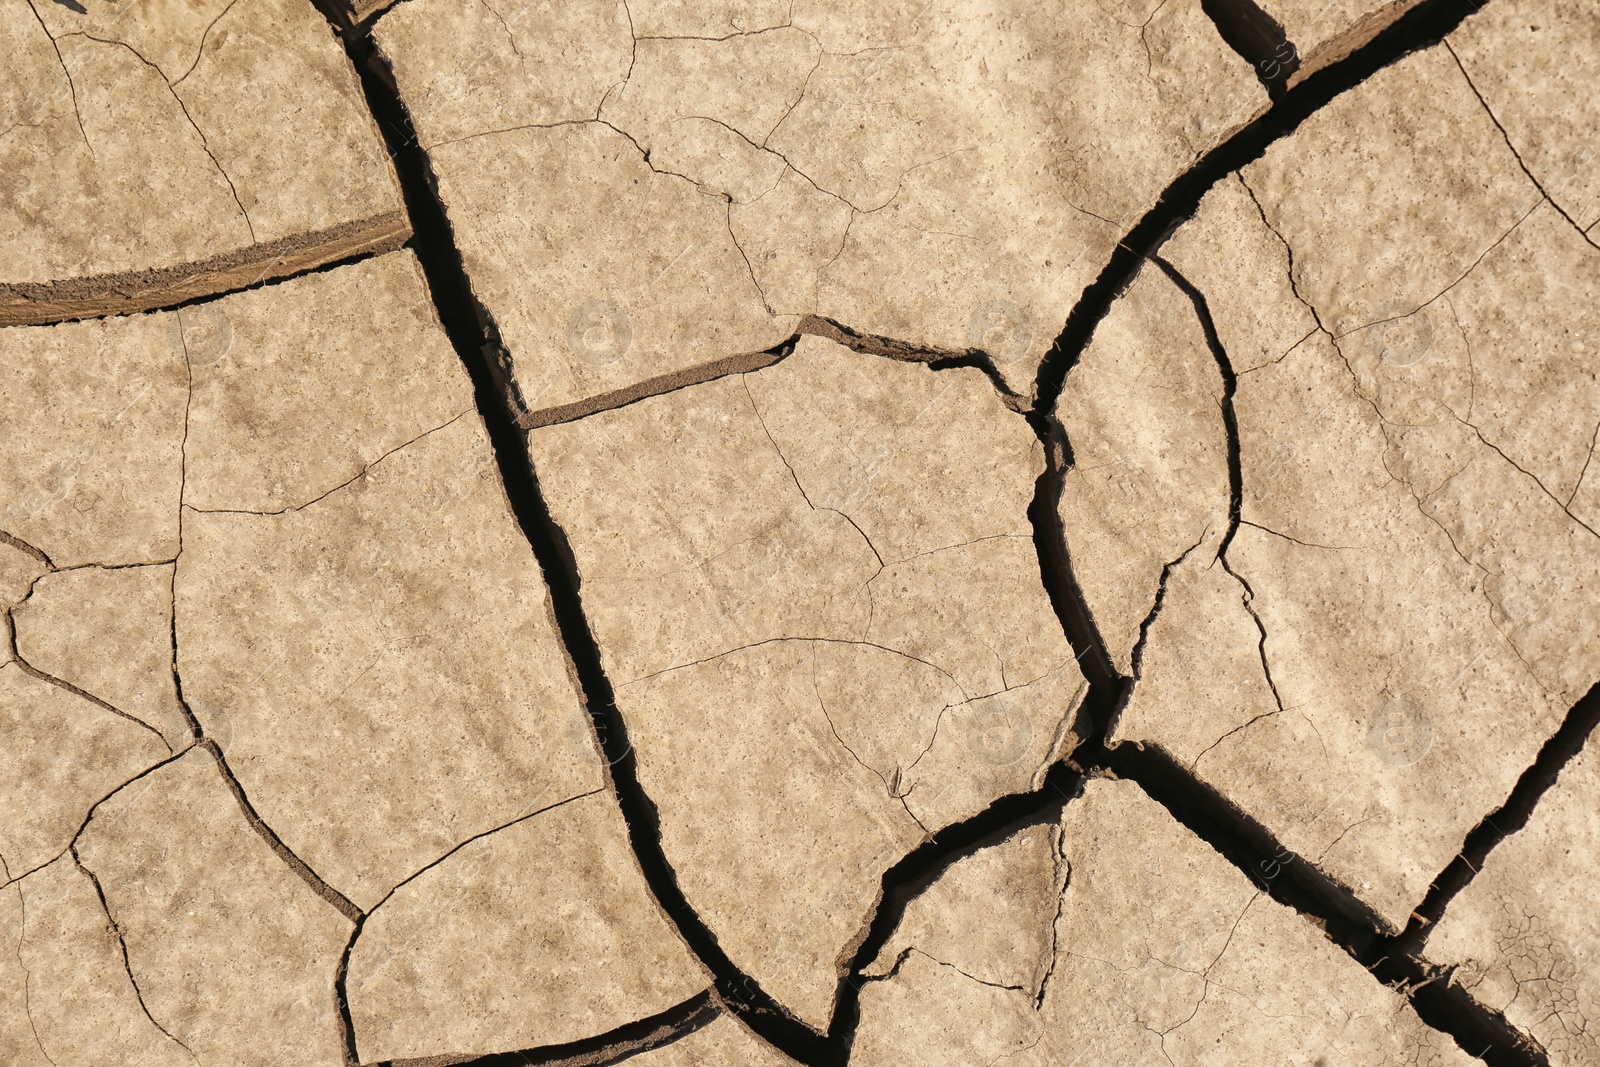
column 72, row 87
column 1487, row 110
column 204, row 143
column 469, row 325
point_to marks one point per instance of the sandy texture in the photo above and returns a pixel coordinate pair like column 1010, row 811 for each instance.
column 854, row 534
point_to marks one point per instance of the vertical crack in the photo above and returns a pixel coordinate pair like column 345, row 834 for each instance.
column 122, row 943
column 1230, row 388
column 72, row 87
column 336, row 899
column 1230, row 423
column 472, row 333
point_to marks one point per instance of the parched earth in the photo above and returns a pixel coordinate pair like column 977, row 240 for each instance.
column 760, row 532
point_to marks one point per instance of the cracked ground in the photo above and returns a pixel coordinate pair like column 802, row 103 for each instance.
column 758, row 532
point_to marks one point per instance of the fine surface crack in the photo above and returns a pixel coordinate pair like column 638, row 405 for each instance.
column 122, row 944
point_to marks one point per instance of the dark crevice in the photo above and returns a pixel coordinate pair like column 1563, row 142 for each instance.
column 1230, row 388
column 1236, row 836
column 923, row 866
column 1106, row 685
column 614, row 1046
column 1247, row 844
column 341, row 996
column 1423, row 26
column 1292, row 881
column 1244, row 842
column 1258, row 38
column 1561, row 748
column 473, row 334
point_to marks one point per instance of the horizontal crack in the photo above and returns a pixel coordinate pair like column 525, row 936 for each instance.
column 625, row 1042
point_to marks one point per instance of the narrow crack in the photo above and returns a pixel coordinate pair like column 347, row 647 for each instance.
column 1230, row 422
column 173, row 92
column 360, row 475
column 1230, row 388
column 338, row 900
column 122, row 943
column 200, row 49
column 1137, row 657
column 341, row 978
column 1594, row 439
column 33, row 672
column 1063, row 871
column 1525, row 472
column 27, row 975
column 89, row 815
column 22, row 546
column 334, row 898
column 756, row 408
column 72, row 87
column 1537, row 184
column 1510, row 817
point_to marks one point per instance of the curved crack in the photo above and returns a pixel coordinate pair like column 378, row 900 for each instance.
column 1234, row 834
column 122, row 944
